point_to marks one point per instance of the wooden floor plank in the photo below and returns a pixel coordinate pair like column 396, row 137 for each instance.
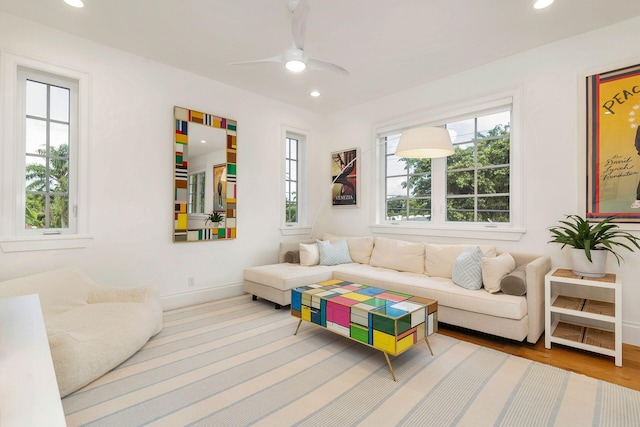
column 575, row 360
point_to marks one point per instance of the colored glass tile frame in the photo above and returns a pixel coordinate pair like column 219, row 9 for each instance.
column 183, row 118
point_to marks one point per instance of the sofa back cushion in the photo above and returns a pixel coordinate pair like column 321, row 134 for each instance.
column 360, row 248
column 439, row 259
column 398, row 255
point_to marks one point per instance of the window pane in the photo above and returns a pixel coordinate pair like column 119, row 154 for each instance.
column 58, row 175
column 495, row 209
column 419, row 210
column 36, row 102
column 36, row 136
column 35, row 173
column 419, row 166
column 59, row 211
column 420, row 185
column 396, row 208
column 494, row 180
column 462, row 131
column 293, row 171
column 493, row 152
column 487, row 125
column 59, row 138
column 293, row 150
column 397, row 187
column 59, row 104
column 396, row 166
column 392, row 143
column 460, row 209
column 463, row 157
column 461, row 182
column 35, row 211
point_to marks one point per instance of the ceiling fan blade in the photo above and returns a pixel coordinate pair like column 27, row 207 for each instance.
column 299, row 22
column 319, row 65
column 277, row 58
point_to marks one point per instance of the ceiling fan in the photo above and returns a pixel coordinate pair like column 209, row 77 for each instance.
column 294, row 58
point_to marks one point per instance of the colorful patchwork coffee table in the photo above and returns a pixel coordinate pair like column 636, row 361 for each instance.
column 391, row 322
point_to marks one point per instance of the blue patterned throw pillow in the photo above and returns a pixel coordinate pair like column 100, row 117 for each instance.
column 333, row 253
column 467, row 269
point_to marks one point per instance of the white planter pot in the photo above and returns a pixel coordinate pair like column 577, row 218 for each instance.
column 583, row 267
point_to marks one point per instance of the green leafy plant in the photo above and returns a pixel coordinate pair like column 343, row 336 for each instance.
column 577, row 232
column 214, row 217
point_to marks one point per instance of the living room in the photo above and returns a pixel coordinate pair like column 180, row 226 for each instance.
column 128, row 188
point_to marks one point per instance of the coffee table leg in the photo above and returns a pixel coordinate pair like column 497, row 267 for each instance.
column 390, row 368
column 298, row 327
column 428, row 345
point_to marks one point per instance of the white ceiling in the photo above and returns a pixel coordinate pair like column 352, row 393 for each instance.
column 387, row 45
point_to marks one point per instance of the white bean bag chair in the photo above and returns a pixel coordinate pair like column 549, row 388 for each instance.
column 91, row 328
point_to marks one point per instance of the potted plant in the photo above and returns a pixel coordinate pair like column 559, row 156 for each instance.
column 591, row 241
column 215, row 218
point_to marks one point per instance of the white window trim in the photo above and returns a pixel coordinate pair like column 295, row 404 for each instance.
column 302, row 227
column 512, row 231
column 11, row 239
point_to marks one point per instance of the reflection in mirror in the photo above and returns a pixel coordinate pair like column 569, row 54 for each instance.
column 205, row 184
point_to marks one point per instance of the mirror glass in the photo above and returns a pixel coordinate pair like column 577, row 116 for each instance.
column 205, row 170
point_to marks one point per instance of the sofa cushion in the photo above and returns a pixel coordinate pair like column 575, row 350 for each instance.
column 287, row 276
column 333, row 253
column 439, row 259
column 398, row 255
column 515, row 283
column 360, row 248
column 467, row 269
column 494, row 269
column 309, row 254
column 443, row 290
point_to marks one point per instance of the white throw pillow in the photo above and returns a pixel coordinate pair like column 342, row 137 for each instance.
column 398, row 255
column 360, row 248
column 467, row 269
column 309, row 254
column 333, row 253
column 494, row 269
column 439, row 259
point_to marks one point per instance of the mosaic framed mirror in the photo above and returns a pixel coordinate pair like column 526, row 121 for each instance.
column 205, row 187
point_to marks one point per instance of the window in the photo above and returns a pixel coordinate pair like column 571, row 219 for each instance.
column 291, row 179
column 294, row 214
column 49, row 126
column 195, row 201
column 470, row 190
column 44, row 205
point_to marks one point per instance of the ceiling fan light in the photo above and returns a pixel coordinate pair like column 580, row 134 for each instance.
column 541, row 4
column 295, row 65
column 74, row 3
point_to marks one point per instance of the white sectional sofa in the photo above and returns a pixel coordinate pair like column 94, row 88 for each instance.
column 420, row 269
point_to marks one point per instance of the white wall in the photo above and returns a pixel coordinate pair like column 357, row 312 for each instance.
column 131, row 169
column 551, row 80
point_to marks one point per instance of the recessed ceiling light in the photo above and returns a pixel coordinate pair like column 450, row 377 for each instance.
column 203, row 141
column 74, row 3
column 314, row 93
column 541, row 4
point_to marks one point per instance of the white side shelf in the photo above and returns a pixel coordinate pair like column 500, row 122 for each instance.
column 584, row 313
column 29, row 393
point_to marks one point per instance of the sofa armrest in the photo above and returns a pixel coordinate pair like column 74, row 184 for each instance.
column 102, row 294
column 291, row 246
column 536, row 270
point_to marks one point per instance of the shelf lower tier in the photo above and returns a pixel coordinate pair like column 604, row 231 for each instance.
column 584, row 337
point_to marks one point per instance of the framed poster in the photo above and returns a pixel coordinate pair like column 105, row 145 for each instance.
column 344, row 176
column 220, row 188
column 613, row 145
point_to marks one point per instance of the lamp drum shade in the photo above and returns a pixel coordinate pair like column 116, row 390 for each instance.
column 425, row 142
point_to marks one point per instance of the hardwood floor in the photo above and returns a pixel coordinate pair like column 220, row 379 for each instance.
column 582, row 362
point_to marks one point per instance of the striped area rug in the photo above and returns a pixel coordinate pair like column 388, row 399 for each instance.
column 236, row 362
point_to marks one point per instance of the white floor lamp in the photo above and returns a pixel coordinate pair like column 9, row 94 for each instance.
column 416, row 143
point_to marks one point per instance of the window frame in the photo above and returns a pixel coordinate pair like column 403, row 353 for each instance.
column 439, row 226
column 301, row 226
column 14, row 237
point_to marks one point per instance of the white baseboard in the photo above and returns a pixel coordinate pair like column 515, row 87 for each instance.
column 170, row 302
column 631, row 333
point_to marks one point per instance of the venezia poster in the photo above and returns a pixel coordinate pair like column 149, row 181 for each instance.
column 344, row 176
column 613, row 145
